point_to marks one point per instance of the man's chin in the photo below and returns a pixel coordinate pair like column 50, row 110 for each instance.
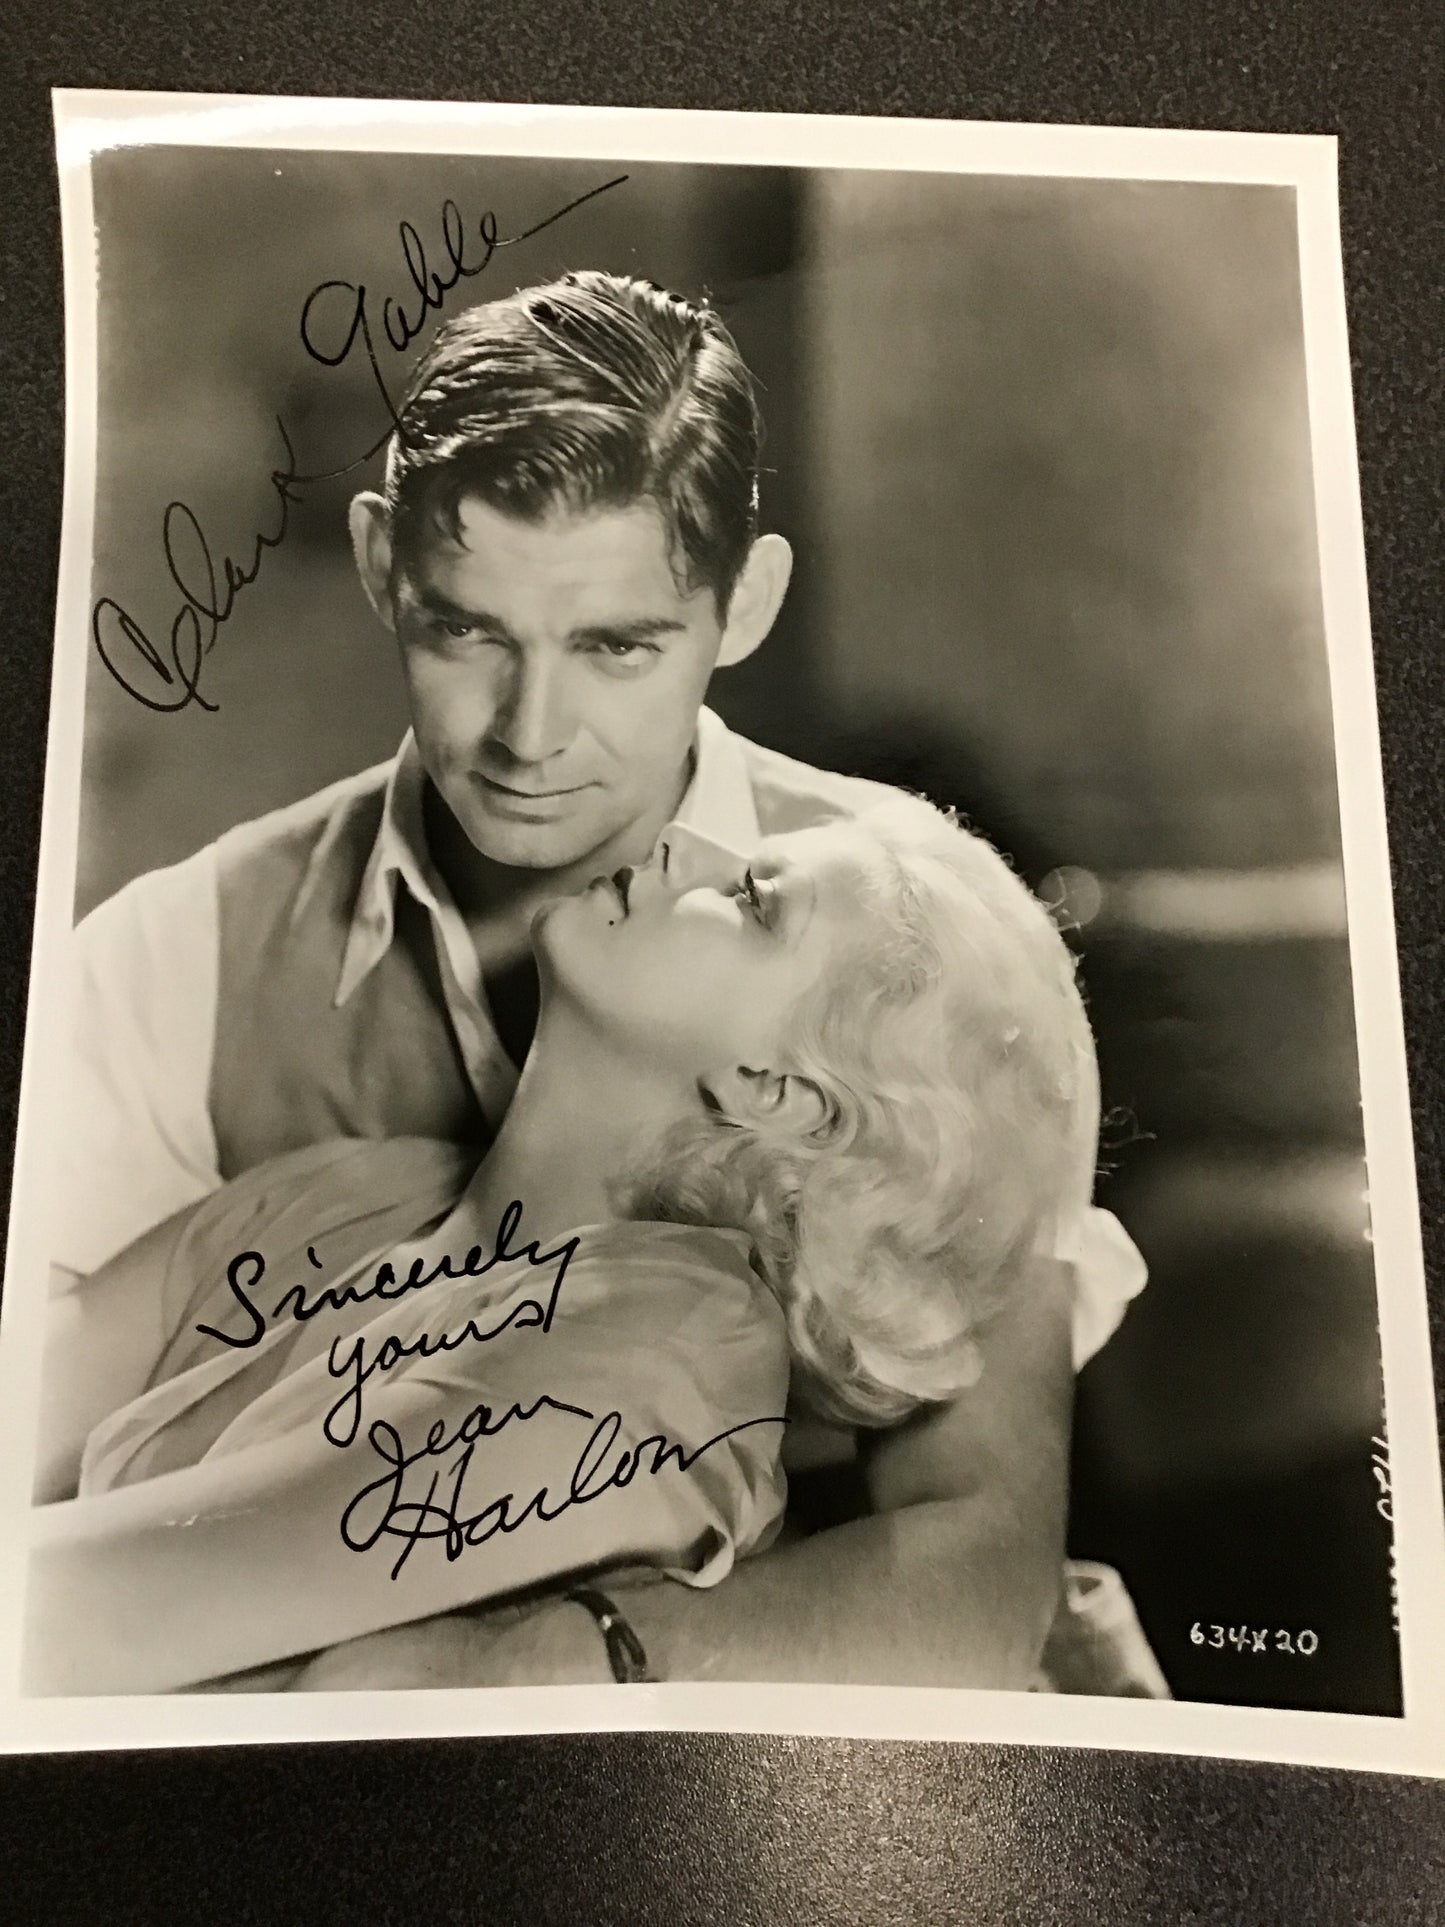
column 532, row 846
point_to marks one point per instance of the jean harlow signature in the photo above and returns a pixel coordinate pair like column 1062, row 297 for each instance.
column 381, row 1509
column 596, row 1472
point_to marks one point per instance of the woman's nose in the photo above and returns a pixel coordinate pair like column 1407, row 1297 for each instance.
column 689, row 860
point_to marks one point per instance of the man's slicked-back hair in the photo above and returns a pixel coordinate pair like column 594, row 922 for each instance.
column 595, row 391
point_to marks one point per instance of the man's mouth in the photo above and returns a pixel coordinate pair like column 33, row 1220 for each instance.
column 527, row 796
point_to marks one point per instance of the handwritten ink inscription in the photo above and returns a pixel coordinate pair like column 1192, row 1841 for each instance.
column 208, row 597
column 336, row 319
column 381, row 1508
column 595, row 1473
column 248, row 1268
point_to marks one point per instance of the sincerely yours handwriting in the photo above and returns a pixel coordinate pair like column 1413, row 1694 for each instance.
column 248, row 1268
column 383, row 1508
column 336, row 322
column 380, row 1511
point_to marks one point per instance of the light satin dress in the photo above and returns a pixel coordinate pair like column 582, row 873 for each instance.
column 206, row 1534
column 261, row 1500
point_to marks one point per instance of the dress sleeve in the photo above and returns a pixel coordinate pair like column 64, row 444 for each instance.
column 1109, row 1273
column 717, row 1366
column 1107, row 1268
column 137, row 1144
column 643, row 1428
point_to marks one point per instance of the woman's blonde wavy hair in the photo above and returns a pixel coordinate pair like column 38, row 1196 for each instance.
column 950, row 1044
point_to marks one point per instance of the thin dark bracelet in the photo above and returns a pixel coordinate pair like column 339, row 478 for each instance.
column 625, row 1651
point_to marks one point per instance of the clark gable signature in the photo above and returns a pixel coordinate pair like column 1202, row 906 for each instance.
column 336, row 317
column 379, row 1510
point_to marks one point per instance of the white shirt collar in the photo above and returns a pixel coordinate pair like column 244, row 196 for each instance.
column 718, row 802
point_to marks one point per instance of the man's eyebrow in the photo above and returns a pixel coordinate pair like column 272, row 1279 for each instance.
column 635, row 629
column 437, row 604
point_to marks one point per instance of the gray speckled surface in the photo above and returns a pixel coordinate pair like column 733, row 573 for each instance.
column 744, row 1831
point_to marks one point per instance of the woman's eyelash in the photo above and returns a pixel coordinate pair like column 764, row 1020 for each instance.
column 754, row 896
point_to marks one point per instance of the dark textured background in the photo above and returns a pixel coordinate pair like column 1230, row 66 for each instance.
column 725, row 1830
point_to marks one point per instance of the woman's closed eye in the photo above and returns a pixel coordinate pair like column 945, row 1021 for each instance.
column 761, row 898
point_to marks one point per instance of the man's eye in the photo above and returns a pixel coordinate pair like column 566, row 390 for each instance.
column 452, row 627
column 625, row 652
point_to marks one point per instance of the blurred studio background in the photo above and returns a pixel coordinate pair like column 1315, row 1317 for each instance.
column 1042, row 449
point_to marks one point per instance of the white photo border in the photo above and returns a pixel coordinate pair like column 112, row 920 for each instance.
column 89, row 122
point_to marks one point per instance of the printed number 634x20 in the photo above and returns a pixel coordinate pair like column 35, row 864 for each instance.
column 1246, row 1639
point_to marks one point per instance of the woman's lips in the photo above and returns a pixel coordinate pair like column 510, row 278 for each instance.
column 615, row 885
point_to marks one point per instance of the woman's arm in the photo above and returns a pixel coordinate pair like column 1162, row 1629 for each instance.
column 953, row 1580
column 240, row 1561
column 104, row 1337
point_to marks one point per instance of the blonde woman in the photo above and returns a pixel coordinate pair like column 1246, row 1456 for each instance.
column 790, row 1131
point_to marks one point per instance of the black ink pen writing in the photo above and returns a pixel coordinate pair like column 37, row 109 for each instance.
column 166, row 675
column 347, row 321
column 592, row 1477
column 247, row 1269
column 208, row 598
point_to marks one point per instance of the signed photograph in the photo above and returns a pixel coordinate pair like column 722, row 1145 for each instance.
column 713, row 1037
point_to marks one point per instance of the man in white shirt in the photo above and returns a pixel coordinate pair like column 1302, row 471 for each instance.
column 566, row 548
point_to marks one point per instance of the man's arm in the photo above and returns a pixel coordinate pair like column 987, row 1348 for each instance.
column 955, row 1576
column 952, row 1581
column 135, row 1138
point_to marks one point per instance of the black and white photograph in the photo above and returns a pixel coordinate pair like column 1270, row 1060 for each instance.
column 714, row 1021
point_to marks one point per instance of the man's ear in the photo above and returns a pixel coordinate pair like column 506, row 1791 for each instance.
column 371, row 548
column 783, row 1100
column 756, row 598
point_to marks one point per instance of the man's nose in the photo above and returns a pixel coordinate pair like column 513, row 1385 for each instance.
column 531, row 721
column 689, row 860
